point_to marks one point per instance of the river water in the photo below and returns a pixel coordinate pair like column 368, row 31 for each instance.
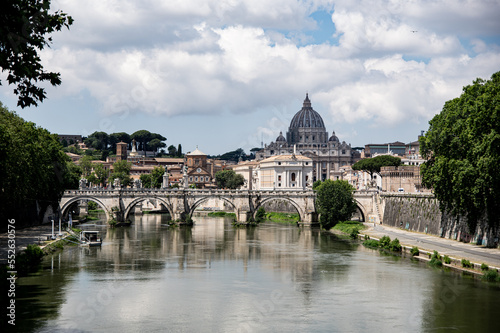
column 213, row 277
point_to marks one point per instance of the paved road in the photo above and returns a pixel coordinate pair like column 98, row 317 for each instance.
column 454, row 249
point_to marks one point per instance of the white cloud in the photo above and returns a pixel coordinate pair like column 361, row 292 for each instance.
column 227, row 56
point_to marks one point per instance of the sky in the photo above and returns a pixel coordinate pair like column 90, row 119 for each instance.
column 228, row 74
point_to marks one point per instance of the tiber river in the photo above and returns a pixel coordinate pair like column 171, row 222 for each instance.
column 271, row 278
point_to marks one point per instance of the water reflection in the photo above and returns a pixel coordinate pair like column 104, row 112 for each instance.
column 213, row 277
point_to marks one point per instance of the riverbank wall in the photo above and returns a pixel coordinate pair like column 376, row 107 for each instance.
column 421, row 213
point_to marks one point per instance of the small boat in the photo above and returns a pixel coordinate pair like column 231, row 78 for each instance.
column 90, row 238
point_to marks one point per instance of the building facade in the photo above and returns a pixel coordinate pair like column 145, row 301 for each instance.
column 308, row 136
column 281, row 172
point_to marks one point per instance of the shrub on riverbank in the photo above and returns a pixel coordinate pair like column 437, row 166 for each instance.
column 371, row 243
column 394, row 245
column 447, row 260
column 385, row 241
column 466, row 263
column 29, row 260
column 484, row 267
column 260, row 215
column 436, row 260
column 491, row 276
column 414, row 251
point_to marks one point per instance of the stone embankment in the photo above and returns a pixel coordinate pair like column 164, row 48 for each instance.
column 427, row 244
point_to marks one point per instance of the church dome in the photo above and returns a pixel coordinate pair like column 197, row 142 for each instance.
column 280, row 138
column 307, row 117
column 333, row 137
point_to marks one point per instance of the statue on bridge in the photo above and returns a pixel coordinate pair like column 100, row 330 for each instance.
column 82, row 184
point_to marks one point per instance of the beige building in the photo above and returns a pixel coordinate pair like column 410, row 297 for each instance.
column 307, row 133
column 282, row 172
column 403, row 179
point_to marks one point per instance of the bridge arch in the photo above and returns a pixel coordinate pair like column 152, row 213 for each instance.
column 200, row 201
column 361, row 209
column 136, row 201
column 71, row 201
column 292, row 202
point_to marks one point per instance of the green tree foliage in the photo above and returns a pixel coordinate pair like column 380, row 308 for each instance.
column 155, row 144
column 85, row 164
column 33, row 169
column 121, row 170
column 463, row 150
column 260, row 215
column 142, row 136
column 234, row 155
column 373, row 165
column 72, row 177
column 179, row 151
column 172, row 151
column 24, row 26
column 97, row 140
column 229, row 179
column 316, row 184
column 154, row 179
column 335, row 202
column 101, row 174
column 114, row 138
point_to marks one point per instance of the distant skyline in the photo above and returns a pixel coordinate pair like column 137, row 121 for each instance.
column 227, row 74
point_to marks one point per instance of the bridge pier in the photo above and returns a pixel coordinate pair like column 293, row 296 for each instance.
column 243, row 216
column 309, row 219
column 83, row 207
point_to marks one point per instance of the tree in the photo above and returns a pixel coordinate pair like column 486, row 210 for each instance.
column 121, row 170
column 335, row 202
column 373, row 165
column 155, row 144
column 97, row 140
column 172, row 151
column 179, row 151
column 114, row 138
column 85, row 164
column 142, row 136
column 229, row 179
column 234, row 155
column 463, row 150
column 154, row 179
column 72, row 177
column 101, row 174
column 23, row 32
column 34, row 170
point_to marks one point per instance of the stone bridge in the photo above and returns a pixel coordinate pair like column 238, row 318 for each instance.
column 181, row 203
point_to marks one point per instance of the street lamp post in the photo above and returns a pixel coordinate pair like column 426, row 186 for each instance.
column 53, row 237
column 60, row 233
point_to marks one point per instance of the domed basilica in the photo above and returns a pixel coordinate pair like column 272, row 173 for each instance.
column 307, row 136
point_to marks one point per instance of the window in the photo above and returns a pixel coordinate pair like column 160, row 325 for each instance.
column 293, row 176
column 279, row 177
column 343, row 151
column 196, row 178
column 279, row 163
column 191, row 178
column 207, row 179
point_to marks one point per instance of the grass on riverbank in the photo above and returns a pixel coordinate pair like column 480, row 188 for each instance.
column 349, row 227
column 221, row 214
column 282, row 217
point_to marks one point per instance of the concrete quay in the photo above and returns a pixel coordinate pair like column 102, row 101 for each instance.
column 454, row 249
